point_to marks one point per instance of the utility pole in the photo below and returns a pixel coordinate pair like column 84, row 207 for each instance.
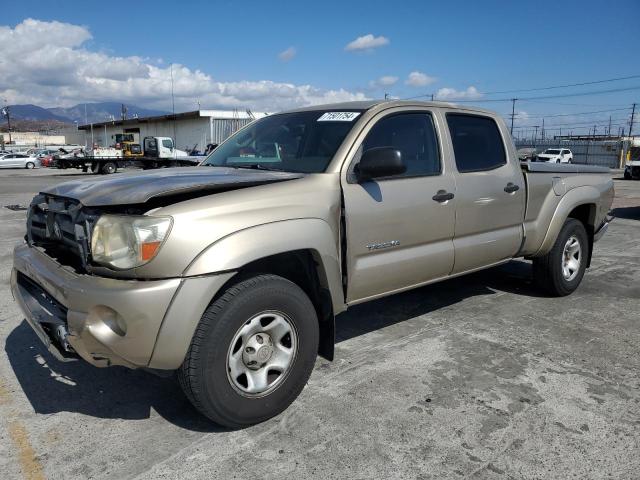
column 609, row 130
column 535, row 135
column 633, row 114
column 432, row 97
column 513, row 113
column 586, row 155
column 542, row 135
column 386, row 95
column 7, row 111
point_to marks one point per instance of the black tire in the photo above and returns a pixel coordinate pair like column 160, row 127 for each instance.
column 30, row 165
column 627, row 175
column 547, row 269
column 109, row 168
column 203, row 374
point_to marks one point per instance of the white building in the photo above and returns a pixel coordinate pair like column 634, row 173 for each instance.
column 189, row 130
column 32, row 139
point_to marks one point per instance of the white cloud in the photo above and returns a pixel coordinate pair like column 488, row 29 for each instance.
column 384, row 81
column 287, row 54
column 366, row 42
column 471, row 93
column 48, row 63
column 419, row 79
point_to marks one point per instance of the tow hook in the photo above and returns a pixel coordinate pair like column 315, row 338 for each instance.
column 61, row 333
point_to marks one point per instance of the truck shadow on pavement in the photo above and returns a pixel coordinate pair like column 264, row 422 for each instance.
column 120, row 393
column 630, row 213
column 117, row 392
column 513, row 277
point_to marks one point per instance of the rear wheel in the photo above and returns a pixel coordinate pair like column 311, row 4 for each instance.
column 252, row 353
column 109, row 168
column 560, row 271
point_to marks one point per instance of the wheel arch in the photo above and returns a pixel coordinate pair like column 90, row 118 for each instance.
column 579, row 203
column 304, row 251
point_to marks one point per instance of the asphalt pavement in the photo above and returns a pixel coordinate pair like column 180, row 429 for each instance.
column 477, row 377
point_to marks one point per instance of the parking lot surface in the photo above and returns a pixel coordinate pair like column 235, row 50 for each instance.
column 476, row 377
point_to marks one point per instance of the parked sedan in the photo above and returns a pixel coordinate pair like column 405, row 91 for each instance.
column 46, row 161
column 19, row 160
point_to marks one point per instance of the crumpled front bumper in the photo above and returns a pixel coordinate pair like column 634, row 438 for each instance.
column 109, row 321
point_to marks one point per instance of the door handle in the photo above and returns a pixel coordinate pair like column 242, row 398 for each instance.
column 511, row 187
column 443, row 196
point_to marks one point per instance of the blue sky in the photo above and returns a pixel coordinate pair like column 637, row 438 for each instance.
column 489, row 45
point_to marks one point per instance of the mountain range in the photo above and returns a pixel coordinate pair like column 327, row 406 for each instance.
column 95, row 112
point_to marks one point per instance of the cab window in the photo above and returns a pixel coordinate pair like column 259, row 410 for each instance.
column 477, row 143
column 414, row 135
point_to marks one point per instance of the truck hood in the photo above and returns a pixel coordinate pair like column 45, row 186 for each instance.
column 140, row 187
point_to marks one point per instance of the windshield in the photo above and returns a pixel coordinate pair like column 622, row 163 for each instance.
column 294, row 142
column 552, row 152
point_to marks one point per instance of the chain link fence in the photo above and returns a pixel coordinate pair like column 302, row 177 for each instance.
column 604, row 153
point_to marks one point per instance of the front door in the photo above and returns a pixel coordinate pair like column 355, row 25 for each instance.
column 490, row 197
column 398, row 235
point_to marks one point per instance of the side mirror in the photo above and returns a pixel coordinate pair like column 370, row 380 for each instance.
column 380, row 162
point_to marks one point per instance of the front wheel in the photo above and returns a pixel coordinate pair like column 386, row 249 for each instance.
column 252, row 353
column 560, row 271
column 30, row 165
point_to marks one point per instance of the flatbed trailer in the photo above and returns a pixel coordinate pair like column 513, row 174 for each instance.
column 108, row 165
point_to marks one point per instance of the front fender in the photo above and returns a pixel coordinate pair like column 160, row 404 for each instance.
column 245, row 246
column 572, row 199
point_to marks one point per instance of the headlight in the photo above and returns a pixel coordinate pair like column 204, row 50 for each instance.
column 127, row 241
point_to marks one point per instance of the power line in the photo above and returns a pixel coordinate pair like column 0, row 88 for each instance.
column 537, row 89
column 579, row 104
column 563, row 86
column 549, row 115
column 589, row 122
column 571, row 127
column 564, row 95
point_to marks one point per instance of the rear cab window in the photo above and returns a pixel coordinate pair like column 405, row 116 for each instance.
column 477, row 143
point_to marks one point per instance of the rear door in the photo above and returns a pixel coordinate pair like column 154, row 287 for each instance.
column 397, row 234
column 490, row 196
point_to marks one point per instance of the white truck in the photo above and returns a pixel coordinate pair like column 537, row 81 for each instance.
column 632, row 165
column 556, row 155
column 156, row 152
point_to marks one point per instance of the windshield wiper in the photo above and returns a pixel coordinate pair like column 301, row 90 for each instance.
column 257, row 166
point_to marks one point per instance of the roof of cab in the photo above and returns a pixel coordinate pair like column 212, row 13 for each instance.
column 371, row 104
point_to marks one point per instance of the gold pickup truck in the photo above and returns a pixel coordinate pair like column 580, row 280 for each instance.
column 231, row 273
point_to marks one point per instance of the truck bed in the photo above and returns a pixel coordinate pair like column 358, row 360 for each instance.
column 548, row 183
column 544, row 167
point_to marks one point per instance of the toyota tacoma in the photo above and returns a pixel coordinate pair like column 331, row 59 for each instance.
column 230, row 274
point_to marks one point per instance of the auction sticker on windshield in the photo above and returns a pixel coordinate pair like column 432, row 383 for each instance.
column 338, row 116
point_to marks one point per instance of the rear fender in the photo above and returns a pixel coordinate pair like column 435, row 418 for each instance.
column 572, row 199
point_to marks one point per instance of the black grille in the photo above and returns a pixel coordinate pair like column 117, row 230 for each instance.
column 61, row 228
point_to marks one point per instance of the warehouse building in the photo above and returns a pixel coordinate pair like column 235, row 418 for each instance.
column 190, row 130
